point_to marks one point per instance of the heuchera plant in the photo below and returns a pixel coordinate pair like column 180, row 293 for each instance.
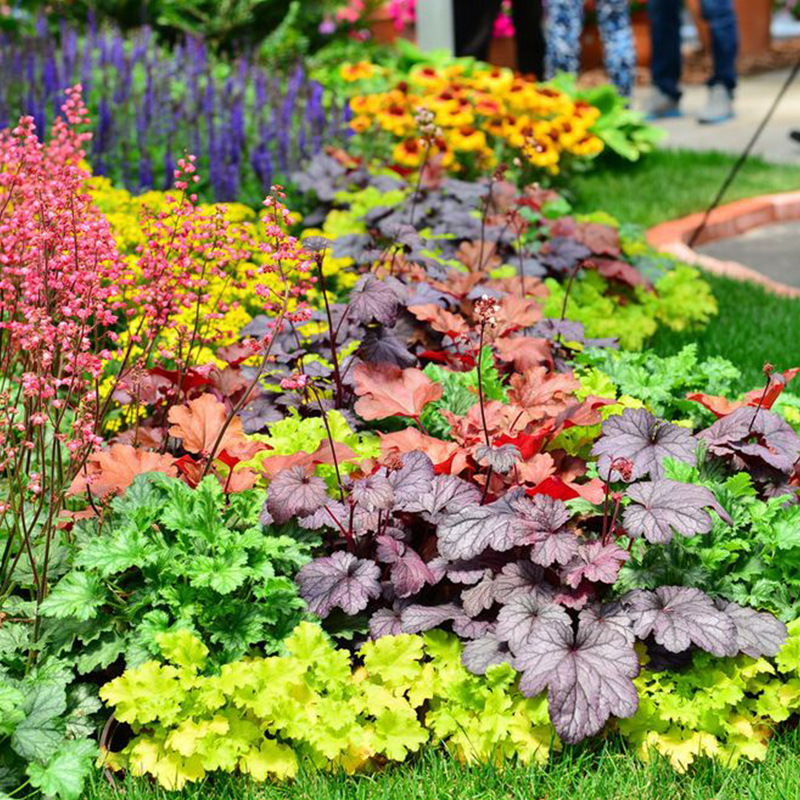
column 524, row 579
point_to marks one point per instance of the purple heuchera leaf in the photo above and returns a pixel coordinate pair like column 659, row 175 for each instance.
column 480, row 597
column 385, row 622
column 381, row 346
column 645, row 441
column 339, row 581
column 588, row 675
column 373, row 493
column 518, row 577
column 525, row 616
column 440, row 494
column 469, row 628
column 372, row 299
column 680, row 616
column 664, row 506
column 612, row 615
column 417, row 618
column 749, row 435
column 558, row 547
column 409, row 573
column 411, row 481
column 512, row 520
column 485, row 652
column 595, row 562
column 757, row 633
column 293, row 493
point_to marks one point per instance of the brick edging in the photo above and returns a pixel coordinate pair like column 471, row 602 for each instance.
column 726, row 221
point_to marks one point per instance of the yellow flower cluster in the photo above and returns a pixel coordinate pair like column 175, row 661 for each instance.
column 481, row 114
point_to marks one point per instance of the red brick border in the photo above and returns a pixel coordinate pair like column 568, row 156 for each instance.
column 726, row 221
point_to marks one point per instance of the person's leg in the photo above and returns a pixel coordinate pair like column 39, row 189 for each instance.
column 619, row 49
column 527, row 16
column 721, row 18
column 473, row 22
column 665, row 35
column 563, row 36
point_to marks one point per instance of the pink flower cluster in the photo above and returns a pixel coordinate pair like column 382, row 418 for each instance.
column 59, row 276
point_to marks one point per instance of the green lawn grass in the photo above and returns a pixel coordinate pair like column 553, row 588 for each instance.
column 672, row 183
column 601, row 771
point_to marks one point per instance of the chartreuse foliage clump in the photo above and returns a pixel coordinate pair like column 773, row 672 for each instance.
column 682, row 299
column 660, row 382
column 165, row 556
column 262, row 716
column 265, row 716
column 725, row 709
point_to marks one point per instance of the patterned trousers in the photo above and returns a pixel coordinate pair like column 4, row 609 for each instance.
column 563, row 31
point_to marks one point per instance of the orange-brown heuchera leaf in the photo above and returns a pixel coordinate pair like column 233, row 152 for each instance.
column 542, row 393
column 199, row 423
column 114, row 469
column 388, row 391
column 440, row 452
column 721, row 406
column 439, row 319
column 525, row 352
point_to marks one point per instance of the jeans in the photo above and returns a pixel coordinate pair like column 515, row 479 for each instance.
column 474, row 22
column 665, row 33
column 564, row 26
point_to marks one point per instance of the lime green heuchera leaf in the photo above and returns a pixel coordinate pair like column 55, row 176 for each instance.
column 394, row 660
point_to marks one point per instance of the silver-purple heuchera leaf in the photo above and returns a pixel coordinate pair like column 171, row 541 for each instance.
column 680, row 616
column 644, row 440
column 514, row 519
column 467, row 533
column 373, row 299
column 294, row 493
column 588, row 674
column 479, row 597
column 417, row 618
column 525, row 615
column 408, row 572
column 518, row 577
column 757, row 633
column 595, row 562
column 339, row 581
column 751, row 437
column 470, row 628
column 480, row 654
column 411, row 481
column 557, row 547
column 373, row 493
column 664, row 506
column 500, row 459
column 611, row 615
column 441, row 494
column 385, row 622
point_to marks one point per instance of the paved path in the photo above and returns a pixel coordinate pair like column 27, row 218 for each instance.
column 753, row 99
column 773, row 250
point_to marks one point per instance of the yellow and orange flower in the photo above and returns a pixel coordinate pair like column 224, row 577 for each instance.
column 361, row 70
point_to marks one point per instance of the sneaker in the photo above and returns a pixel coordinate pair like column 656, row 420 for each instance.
column 660, row 105
column 795, row 136
column 719, row 106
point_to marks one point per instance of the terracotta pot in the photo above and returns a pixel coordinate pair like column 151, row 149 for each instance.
column 592, row 45
column 503, row 52
column 754, row 17
column 381, row 26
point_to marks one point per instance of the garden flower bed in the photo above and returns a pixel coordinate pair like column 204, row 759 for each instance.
column 377, row 469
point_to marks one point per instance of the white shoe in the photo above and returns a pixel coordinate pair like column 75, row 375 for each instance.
column 718, row 107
